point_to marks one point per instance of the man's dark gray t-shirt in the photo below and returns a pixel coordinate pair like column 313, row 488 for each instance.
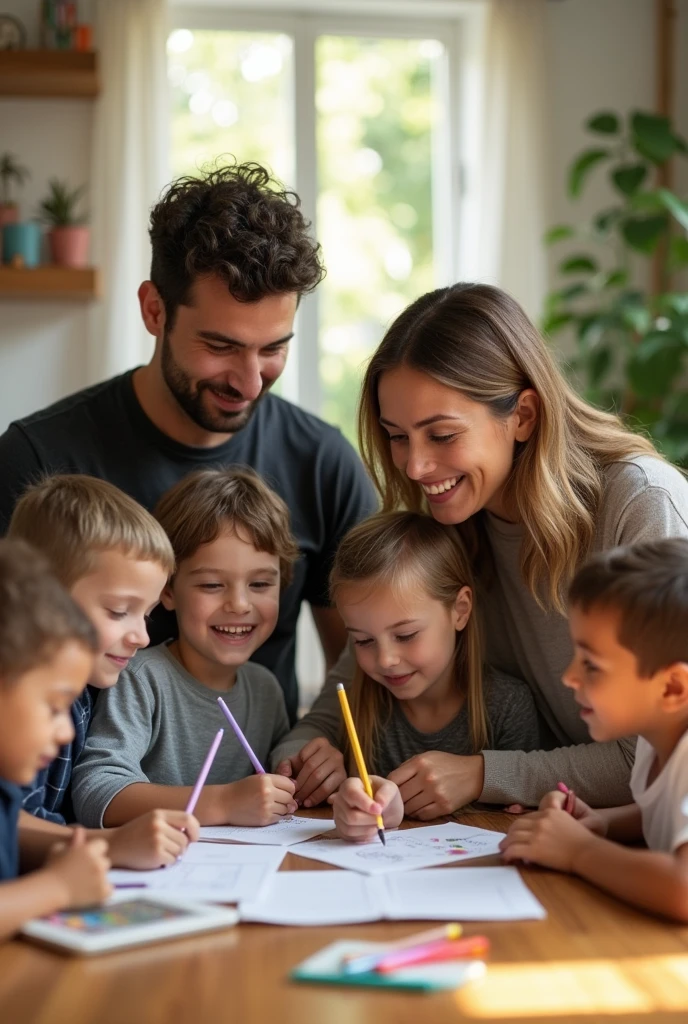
column 103, row 431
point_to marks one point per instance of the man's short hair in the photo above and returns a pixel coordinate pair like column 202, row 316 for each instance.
column 235, row 222
column 37, row 615
column 72, row 517
column 647, row 584
column 203, row 504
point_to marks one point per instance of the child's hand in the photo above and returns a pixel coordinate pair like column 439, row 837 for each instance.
column 355, row 813
column 152, row 840
column 581, row 812
column 435, row 783
column 552, row 838
column 259, row 800
column 81, row 869
column 318, row 769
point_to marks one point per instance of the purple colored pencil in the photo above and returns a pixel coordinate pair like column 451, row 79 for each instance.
column 203, row 774
column 240, row 736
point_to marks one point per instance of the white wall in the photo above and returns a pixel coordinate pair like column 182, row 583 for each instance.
column 42, row 344
column 601, row 54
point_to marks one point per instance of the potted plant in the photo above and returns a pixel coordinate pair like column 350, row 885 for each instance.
column 11, row 171
column 68, row 236
column 630, row 326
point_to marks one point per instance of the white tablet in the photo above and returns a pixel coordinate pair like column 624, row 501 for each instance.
column 127, row 920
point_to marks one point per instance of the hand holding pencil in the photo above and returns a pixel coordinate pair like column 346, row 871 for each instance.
column 358, row 755
column 355, row 813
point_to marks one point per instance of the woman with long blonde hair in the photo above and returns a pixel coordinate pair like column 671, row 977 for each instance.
column 465, row 413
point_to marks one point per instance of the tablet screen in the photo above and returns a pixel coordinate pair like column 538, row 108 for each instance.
column 104, row 920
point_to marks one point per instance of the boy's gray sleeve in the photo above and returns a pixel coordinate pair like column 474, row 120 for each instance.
column 117, row 741
column 324, row 718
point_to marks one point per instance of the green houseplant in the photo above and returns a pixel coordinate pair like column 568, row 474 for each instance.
column 68, row 236
column 631, row 338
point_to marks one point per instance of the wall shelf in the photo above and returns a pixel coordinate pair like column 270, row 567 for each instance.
column 48, row 74
column 49, row 282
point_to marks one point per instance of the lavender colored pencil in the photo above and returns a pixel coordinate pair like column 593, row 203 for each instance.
column 240, row 736
column 203, row 774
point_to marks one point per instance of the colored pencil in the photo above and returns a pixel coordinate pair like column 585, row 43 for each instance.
column 358, row 963
column 203, row 774
column 240, row 736
column 358, row 754
column 570, row 802
column 473, row 947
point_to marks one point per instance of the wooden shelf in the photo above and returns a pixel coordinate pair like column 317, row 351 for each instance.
column 49, row 282
column 48, row 73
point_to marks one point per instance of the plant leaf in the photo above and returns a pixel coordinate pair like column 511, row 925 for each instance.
column 599, row 364
column 616, row 278
column 607, row 218
column 677, row 209
column 606, row 123
column 652, row 137
column 643, row 233
column 559, row 233
column 629, row 177
column 655, row 364
column 571, row 291
column 582, row 166
column 578, row 264
column 554, row 323
column 678, row 254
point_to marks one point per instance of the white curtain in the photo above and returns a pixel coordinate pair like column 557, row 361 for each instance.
column 129, row 167
column 505, row 209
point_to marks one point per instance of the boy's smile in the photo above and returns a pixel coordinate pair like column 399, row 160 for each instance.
column 117, row 595
column 615, row 701
column 226, row 596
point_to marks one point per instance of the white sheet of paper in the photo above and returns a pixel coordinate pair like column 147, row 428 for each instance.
column 287, row 832
column 408, row 849
column 315, row 898
column 344, row 897
column 209, row 873
column 469, row 894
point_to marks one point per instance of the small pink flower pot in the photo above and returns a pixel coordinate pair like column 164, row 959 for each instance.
column 69, row 245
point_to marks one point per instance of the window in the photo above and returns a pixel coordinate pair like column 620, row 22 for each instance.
column 355, row 114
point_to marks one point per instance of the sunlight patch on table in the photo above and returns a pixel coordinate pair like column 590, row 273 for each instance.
column 627, row 985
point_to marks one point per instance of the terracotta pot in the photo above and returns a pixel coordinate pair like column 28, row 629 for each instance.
column 69, row 245
column 9, row 214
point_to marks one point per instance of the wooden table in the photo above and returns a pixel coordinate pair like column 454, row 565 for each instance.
column 591, row 957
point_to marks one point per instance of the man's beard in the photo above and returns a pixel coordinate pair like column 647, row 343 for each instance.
column 189, row 397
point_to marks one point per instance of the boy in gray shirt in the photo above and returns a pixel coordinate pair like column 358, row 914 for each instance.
column 234, row 553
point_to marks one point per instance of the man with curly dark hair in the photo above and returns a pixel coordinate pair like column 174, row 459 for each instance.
column 231, row 258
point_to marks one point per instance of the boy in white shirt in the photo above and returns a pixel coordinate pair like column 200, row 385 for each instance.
column 629, row 623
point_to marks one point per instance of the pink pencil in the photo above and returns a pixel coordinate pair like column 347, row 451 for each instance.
column 203, row 774
column 570, row 802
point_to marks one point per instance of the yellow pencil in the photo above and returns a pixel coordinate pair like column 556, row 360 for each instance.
column 358, row 754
